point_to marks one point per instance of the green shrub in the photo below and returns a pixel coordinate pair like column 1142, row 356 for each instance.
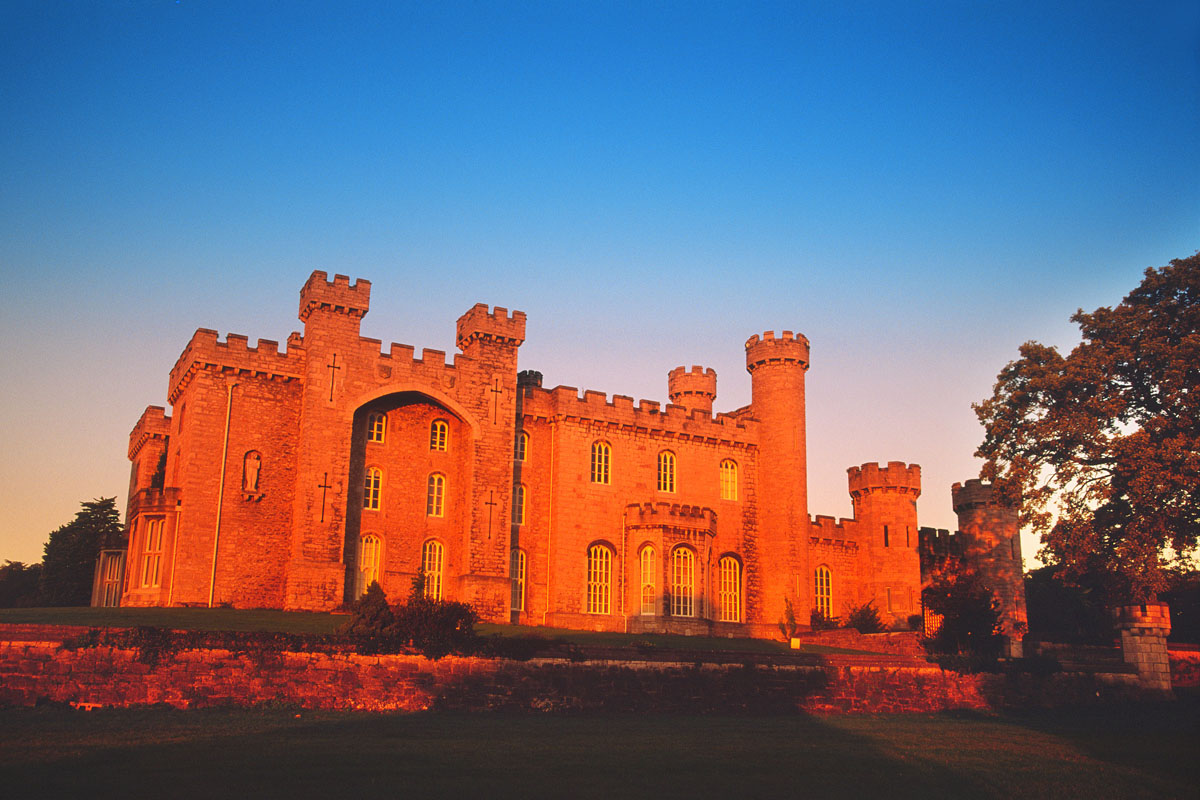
column 864, row 618
column 434, row 627
column 788, row 626
column 819, row 622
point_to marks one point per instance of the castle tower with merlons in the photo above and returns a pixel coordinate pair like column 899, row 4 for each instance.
column 296, row 477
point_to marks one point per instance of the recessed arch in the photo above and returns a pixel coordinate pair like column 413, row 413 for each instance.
column 413, row 392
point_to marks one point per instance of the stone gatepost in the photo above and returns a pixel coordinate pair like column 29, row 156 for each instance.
column 1144, row 629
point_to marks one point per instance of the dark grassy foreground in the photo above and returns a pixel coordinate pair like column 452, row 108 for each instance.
column 301, row 622
column 1111, row 751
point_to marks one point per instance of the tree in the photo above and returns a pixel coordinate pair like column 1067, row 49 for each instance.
column 19, row 584
column 969, row 612
column 1101, row 448
column 69, row 559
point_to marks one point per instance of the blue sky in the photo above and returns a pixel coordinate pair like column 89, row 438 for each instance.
column 919, row 188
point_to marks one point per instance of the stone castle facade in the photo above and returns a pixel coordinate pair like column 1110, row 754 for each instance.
column 293, row 478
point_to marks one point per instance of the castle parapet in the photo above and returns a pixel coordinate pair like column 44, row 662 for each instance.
column 895, row 477
column 235, row 354
column 694, row 389
column 786, row 349
column 974, row 494
column 496, row 326
column 671, row 515
column 339, row 296
column 153, row 424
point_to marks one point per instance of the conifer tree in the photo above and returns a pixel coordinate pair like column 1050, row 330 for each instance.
column 69, row 559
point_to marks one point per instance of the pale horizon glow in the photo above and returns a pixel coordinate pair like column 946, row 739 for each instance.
column 917, row 190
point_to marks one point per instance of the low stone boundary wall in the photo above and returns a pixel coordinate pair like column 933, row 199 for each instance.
column 40, row 671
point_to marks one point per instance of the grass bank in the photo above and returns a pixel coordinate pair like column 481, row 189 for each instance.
column 1111, row 751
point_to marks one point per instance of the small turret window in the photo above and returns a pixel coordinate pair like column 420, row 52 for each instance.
column 666, row 471
column 439, row 434
column 601, row 460
column 729, row 480
column 824, row 592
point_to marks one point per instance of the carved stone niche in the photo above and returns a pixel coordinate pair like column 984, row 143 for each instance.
column 252, row 464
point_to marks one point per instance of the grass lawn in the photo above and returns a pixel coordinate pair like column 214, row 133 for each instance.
column 229, row 619
column 1111, row 751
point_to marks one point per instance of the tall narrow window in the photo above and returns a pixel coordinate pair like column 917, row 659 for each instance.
column 885, row 536
column 521, row 446
column 601, row 456
column 889, row 599
column 824, row 592
column 368, row 561
column 152, row 553
column 376, row 427
column 371, row 488
column 729, row 589
column 599, row 580
column 439, row 433
column 433, row 560
column 435, row 498
column 649, row 580
column 683, row 583
column 666, row 471
column 907, row 536
column 111, row 577
column 516, row 571
column 518, row 505
column 729, row 480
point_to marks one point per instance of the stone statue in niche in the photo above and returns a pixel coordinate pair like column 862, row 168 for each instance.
column 251, row 466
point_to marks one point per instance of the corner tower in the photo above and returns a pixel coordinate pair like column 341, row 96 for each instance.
column 885, row 506
column 777, row 365
column 992, row 547
column 694, row 389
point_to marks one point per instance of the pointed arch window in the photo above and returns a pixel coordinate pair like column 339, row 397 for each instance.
column 433, row 563
column 435, row 497
column 439, row 435
column 601, row 460
column 369, row 549
column 599, row 580
column 729, row 479
column 376, row 427
column 516, row 571
column 521, row 447
column 648, row 563
column 683, row 583
column 824, row 592
column 729, row 589
column 666, row 471
column 372, row 488
column 518, row 510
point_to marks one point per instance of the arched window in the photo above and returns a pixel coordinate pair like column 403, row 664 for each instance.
column 433, row 560
column 376, row 427
column 683, row 583
column 521, row 447
column 729, row 480
column 435, row 498
column 601, row 458
column 372, row 487
column 516, row 571
column 439, row 434
column 518, row 514
column 824, row 592
column 666, row 471
column 649, row 580
column 368, row 561
column 729, row 589
column 599, row 580
column 152, row 553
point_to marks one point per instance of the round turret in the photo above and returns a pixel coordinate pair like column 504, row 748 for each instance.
column 788, row 349
column 992, row 547
column 694, row 389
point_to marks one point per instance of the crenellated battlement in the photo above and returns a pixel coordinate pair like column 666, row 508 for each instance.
column 826, row 527
column 339, row 295
column 152, row 424
column 480, row 324
column 786, row 349
column 895, row 477
column 674, row 515
column 206, row 351
column 694, row 389
column 973, row 494
column 648, row 416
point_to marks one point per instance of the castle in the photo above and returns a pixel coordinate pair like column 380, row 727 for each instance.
column 293, row 479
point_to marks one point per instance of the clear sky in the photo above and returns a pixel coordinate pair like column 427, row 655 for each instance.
column 917, row 187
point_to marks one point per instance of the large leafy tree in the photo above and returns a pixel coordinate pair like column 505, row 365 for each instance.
column 69, row 559
column 1101, row 448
